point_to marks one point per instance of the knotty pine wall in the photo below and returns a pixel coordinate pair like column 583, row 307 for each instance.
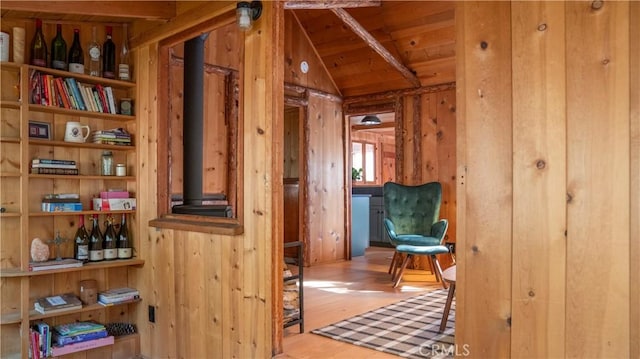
column 548, row 189
column 212, row 293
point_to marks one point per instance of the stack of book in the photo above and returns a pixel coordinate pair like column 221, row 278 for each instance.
column 118, row 296
column 72, row 337
column 61, row 202
column 57, row 303
column 40, row 341
column 116, row 136
column 47, row 166
column 67, row 93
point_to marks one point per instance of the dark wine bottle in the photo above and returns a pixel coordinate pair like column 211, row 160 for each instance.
column 109, row 56
column 96, row 253
column 81, row 245
column 39, row 54
column 110, row 239
column 124, row 241
column 76, row 56
column 59, row 50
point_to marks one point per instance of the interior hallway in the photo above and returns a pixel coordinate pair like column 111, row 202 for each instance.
column 337, row 291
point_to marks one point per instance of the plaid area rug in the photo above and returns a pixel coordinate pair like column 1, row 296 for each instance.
column 408, row 328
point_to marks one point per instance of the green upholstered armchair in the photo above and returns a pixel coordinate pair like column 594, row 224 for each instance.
column 413, row 224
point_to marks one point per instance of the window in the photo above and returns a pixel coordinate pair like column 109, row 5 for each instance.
column 198, row 183
column 364, row 162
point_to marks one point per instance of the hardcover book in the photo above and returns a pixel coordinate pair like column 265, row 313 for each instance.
column 77, row 328
column 76, row 347
column 54, row 264
column 60, row 340
column 57, row 303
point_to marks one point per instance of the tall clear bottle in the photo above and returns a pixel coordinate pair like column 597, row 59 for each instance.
column 81, row 242
column 124, row 68
column 124, row 241
column 109, row 56
column 110, row 239
column 39, row 54
column 59, row 50
column 76, row 56
column 96, row 253
column 94, row 51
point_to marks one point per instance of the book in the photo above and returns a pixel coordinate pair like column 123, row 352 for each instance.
column 57, row 303
column 61, row 207
column 77, row 328
column 110, row 100
column 52, row 161
column 54, row 264
column 45, row 338
column 60, row 340
column 54, row 171
column 115, row 293
column 59, row 200
column 81, row 346
column 62, row 195
column 76, row 93
column 122, row 300
column 52, row 165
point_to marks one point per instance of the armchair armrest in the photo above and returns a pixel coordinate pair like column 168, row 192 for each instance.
column 391, row 228
column 439, row 229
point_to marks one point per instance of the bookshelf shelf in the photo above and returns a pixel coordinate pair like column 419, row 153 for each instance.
column 10, row 104
column 33, row 315
column 80, row 145
column 17, row 272
column 5, row 139
column 78, row 213
column 71, row 112
column 84, row 78
column 84, row 177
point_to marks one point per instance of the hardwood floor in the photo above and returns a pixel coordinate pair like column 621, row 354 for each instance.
column 337, row 291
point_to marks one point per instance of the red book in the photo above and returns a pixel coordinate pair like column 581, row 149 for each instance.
column 103, row 98
column 61, row 91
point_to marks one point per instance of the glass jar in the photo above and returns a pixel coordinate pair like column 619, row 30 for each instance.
column 121, row 170
column 107, row 163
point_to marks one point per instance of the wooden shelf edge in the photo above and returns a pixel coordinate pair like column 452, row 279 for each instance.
column 10, row 104
column 81, row 113
column 85, row 78
column 9, row 273
column 33, row 315
column 84, row 177
column 73, row 213
column 6, row 139
column 224, row 226
column 90, row 145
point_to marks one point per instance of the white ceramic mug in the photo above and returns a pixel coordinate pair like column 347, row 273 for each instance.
column 74, row 132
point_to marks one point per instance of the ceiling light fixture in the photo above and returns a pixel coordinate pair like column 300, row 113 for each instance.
column 370, row 120
column 247, row 13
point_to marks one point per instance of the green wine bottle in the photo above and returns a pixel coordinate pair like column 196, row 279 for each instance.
column 59, row 50
column 39, row 54
column 76, row 57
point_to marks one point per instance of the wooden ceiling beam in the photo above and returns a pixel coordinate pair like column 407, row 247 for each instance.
column 329, row 4
column 149, row 10
column 376, row 46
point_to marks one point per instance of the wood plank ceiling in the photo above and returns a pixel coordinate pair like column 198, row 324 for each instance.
column 367, row 46
column 420, row 35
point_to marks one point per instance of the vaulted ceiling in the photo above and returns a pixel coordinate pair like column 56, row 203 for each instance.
column 418, row 36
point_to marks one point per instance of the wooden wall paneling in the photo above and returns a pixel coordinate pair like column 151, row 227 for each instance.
column 408, row 139
column 485, row 254
column 539, row 178
column 634, row 239
column 263, row 104
column 176, row 73
column 292, row 123
column 597, row 43
column 428, row 120
column 399, row 131
column 215, row 155
column 446, row 159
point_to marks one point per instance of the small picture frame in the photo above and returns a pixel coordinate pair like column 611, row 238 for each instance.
column 41, row 130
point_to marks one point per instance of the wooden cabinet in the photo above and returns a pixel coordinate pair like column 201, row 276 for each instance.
column 21, row 220
column 378, row 236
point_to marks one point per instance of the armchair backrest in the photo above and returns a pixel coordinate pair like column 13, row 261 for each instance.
column 412, row 209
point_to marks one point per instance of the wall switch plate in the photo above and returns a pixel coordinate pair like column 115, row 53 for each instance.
column 152, row 314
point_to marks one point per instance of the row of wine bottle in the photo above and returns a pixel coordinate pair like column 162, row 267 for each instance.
column 102, row 60
column 99, row 246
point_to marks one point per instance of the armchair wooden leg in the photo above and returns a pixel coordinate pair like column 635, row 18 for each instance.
column 393, row 261
column 404, row 265
column 438, row 271
column 447, row 307
column 398, row 263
